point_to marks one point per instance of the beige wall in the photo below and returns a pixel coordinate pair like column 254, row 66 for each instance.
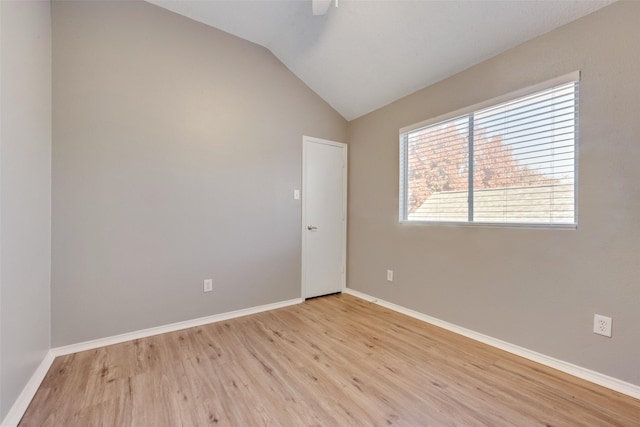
column 25, row 201
column 535, row 288
column 176, row 150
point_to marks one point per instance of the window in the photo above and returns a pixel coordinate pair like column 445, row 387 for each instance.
column 508, row 161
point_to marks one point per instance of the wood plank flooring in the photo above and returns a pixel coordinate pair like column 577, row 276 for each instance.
column 332, row 361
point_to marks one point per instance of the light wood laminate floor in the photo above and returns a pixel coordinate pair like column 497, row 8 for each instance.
column 332, row 361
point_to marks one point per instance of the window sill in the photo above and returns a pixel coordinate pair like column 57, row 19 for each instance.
column 535, row 226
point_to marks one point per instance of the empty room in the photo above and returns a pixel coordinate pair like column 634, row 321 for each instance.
column 319, row 213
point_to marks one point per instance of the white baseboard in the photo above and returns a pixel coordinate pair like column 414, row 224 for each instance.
column 22, row 403
column 117, row 339
column 569, row 368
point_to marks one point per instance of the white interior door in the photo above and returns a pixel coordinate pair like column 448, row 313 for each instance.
column 324, row 209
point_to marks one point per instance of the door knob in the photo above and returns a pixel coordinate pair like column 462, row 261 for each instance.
column 311, row 227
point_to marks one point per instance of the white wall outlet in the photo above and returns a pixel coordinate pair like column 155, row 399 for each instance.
column 602, row 325
column 208, row 285
column 389, row 275
column 296, row 194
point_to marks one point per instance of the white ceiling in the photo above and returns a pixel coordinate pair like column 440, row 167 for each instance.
column 365, row 54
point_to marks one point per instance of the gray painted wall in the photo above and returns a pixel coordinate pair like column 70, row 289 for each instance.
column 25, row 201
column 535, row 288
column 176, row 150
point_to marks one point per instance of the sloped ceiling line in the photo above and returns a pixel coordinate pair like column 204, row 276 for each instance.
column 365, row 54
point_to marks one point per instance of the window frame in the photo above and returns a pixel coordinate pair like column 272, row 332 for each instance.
column 511, row 96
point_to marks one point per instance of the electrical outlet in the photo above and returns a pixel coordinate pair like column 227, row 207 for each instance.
column 602, row 325
column 389, row 275
column 208, row 285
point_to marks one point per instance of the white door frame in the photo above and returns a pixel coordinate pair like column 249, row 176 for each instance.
column 305, row 140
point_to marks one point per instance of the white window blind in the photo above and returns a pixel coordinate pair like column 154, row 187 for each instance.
column 513, row 162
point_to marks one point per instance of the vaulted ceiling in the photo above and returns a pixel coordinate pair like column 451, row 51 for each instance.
column 365, row 54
